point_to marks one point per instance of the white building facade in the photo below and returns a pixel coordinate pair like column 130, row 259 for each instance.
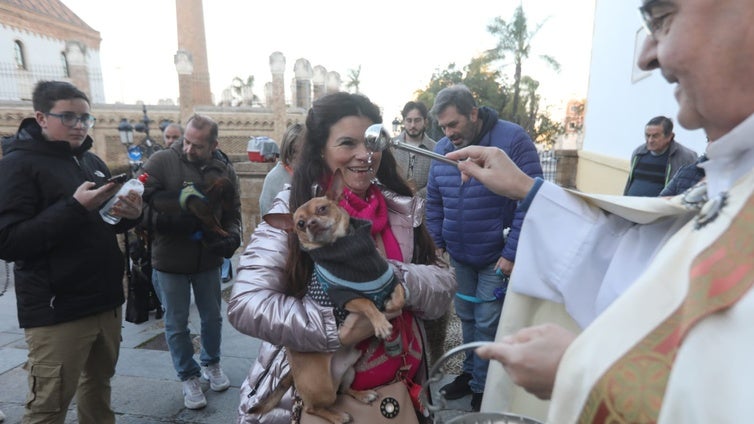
column 44, row 40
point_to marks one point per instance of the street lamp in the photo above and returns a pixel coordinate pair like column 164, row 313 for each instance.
column 126, row 132
column 143, row 126
column 396, row 125
column 164, row 124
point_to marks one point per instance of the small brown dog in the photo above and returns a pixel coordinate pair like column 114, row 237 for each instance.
column 206, row 201
column 321, row 225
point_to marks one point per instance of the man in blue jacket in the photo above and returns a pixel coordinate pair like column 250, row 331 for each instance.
column 470, row 223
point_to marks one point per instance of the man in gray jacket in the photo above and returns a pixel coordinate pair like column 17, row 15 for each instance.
column 654, row 163
column 187, row 255
column 415, row 168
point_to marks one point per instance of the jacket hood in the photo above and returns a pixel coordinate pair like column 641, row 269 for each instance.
column 30, row 137
column 489, row 118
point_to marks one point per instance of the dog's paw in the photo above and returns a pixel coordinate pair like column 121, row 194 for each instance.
column 397, row 299
column 345, row 418
column 383, row 330
column 364, row 396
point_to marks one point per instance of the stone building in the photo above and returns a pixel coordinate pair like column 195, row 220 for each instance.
column 44, row 39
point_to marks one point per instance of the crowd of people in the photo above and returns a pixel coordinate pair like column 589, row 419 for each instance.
column 657, row 281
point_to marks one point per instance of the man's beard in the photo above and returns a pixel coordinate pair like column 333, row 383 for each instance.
column 419, row 135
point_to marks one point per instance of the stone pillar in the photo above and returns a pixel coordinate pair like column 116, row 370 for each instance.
column 318, row 82
column 303, row 71
column 277, row 67
column 292, row 87
column 191, row 39
column 333, row 82
column 75, row 55
column 268, row 100
column 185, row 67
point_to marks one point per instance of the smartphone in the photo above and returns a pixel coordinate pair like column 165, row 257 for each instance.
column 118, row 179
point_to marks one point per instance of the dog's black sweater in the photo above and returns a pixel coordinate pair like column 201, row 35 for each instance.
column 351, row 267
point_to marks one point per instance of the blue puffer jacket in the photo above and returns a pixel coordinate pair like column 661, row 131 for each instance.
column 468, row 220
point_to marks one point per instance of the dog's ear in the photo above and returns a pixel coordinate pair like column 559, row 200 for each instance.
column 335, row 191
column 281, row 221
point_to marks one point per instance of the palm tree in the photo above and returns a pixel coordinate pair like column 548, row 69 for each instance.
column 353, row 79
column 514, row 38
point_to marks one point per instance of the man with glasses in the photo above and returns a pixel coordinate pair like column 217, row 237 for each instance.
column 68, row 267
column 673, row 342
column 415, row 168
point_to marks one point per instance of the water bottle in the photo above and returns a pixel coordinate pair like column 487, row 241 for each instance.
column 135, row 184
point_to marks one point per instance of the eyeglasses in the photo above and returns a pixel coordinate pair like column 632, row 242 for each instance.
column 70, row 119
column 655, row 14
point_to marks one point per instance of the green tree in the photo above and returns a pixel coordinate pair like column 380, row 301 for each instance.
column 489, row 89
column 514, row 38
column 354, row 80
column 547, row 131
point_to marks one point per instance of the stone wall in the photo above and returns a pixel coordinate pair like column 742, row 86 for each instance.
column 251, row 176
column 568, row 162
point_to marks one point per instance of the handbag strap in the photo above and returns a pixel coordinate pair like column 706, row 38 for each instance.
column 402, row 373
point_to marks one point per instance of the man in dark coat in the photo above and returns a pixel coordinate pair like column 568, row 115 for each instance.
column 68, row 267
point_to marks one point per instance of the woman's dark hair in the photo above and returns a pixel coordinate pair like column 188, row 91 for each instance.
column 311, row 171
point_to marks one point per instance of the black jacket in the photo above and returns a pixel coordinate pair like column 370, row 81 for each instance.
column 68, row 264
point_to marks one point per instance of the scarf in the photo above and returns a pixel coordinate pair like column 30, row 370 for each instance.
column 373, row 209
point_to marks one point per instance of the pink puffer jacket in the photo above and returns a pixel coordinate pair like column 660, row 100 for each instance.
column 258, row 306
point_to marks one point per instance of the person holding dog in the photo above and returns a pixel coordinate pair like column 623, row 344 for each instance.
column 187, row 256
column 276, row 297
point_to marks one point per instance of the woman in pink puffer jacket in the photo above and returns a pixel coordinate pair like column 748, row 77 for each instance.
column 268, row 305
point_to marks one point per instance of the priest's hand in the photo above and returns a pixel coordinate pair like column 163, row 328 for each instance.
column 531, row 356
column 493, row 168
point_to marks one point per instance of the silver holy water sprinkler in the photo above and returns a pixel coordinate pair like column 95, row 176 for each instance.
column 378, row 139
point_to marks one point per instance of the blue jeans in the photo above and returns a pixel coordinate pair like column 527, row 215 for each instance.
column 478, row 320
column 174, row 291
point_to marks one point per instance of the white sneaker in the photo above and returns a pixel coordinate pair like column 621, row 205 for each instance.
column 218, row 381
column 193, row 397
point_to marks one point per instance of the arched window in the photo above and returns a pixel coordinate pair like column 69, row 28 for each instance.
column 64, row 62
column 18, row 52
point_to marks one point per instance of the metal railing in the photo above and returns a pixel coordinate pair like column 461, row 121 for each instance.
column 549, row 162
column 18, row 84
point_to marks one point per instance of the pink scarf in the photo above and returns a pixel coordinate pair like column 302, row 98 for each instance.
column 373, row 209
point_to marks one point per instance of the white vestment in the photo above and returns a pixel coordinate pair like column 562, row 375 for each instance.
column 631, row 258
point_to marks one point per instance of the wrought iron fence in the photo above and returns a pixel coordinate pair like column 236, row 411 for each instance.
column 18, row 84
column 549, row 162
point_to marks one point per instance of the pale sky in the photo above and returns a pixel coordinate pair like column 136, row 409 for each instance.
column 397, row 43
